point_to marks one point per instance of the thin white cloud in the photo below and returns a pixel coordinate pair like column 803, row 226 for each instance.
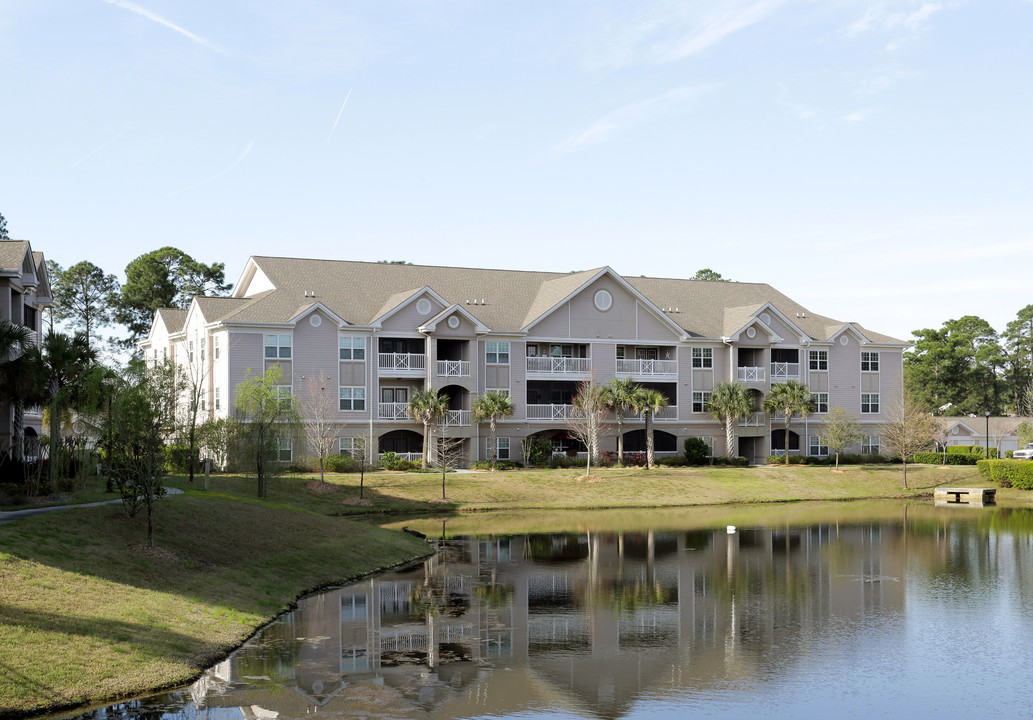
column 98, row 148
column 671, row 103
column 910, row 20
column 672, row 30
column 154, row 17
column 858, row 116
column 339, row 113
column 217, row 175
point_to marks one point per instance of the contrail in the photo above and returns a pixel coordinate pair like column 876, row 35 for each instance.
column 339, row 113
column 97, row 149
column 154, row 17
column 217, row 175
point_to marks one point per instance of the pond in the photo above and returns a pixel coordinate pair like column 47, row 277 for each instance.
column 804, row 611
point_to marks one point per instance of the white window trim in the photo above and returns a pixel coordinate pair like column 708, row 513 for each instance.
column 497, row 344
column 705, row 396
column 819, row 358
column 877, row 403
column 355, row 343
column 703, row 358
column 816, row 448
column 277, row 342
column 352, row 399
column 816, row 397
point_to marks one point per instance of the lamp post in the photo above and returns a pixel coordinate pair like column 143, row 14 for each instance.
column 987, row 413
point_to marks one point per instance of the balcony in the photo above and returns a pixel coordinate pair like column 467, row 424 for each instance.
column 453, row 368
column 650, row 368
column 558, row 366
column 457, row 418
column 393, row 411
column 549, row 412
column 402, row 363
column 668, row 413
column 751, row 374
column 756, row 419
column 784, row 371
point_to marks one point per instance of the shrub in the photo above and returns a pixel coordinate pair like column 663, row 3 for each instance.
column 696, row 451
column 558, row 460
column 676, row 461
column 392, row 461
column 499, row 465
column 938, row 458
column 536, row 451
column 793, row 460
column 340, row 463
column 1008, row 473
column 177, row 457
column 739, row 461
column 979, row 450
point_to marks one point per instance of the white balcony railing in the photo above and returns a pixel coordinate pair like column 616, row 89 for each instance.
column 411, row 457
column 549, row 412
column 783, row 370
column 751, row 374
column 453, row 368
column 756, row 419
column 457, row 418
column 668, row 413
column 647, row 367
column 393, row 411
column 416, row 362
column 559, row 365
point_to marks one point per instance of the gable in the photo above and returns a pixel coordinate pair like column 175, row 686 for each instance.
column 413, row 312
column 606, row 307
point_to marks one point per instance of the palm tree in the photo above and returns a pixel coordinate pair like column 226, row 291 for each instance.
column 619, row 395
column 426, row 406
column 14, row 341
column 493, row 405
column 62, row 360
column 729, row 402
column 792, row 398
column 648, row 402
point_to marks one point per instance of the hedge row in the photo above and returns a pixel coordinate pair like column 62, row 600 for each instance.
column 979, row 450
column 938, row 458
column 1008, row 473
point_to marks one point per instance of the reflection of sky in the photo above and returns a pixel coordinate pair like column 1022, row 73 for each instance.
column 830, row 620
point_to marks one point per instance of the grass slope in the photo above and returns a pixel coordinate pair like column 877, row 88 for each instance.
column 87, row 614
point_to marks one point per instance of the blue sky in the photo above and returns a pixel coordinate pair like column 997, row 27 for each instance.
column 871, row 159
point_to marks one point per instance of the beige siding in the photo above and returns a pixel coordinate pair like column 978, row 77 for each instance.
column 408, row 319
column 604, row 361
column 845, row 374
column 819, row 381
column 586, row 321
column 652, row 328
column 557, row 325
column 245, row 354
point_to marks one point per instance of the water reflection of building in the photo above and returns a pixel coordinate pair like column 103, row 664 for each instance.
column 586, row 621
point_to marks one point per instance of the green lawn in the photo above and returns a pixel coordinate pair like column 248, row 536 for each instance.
column 87, row 614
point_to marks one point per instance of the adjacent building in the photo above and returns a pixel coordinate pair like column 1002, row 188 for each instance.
column 374, row 333
column 24, row 293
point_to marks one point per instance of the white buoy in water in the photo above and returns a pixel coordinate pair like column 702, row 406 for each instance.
column 731, row 529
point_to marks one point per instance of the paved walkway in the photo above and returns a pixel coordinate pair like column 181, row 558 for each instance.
column 11, row 516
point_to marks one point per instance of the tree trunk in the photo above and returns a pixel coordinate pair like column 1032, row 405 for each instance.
column 18, row 431
column 730, row 437
column 787, row 439
column 191, row 443
column 649, row 439
column 426, row 443
column 620, row 438
column 492, row 454
column 55, row 431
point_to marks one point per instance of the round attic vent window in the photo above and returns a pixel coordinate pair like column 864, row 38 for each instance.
column 765, row 318
column 751, row 332
column 954, row 430
column 603, row 300
column 453, row 322
column 315, row 321
column 423, row 306
column 843, row 340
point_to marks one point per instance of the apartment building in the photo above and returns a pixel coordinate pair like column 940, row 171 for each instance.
column 24, row 292
column 374, row 333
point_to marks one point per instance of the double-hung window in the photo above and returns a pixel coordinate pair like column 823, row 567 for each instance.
column 352, row 398
column 215, row 346
column 190, row 351
column 218, row 398
column 818, row 360
column 817, row 448
column 501, row 448
column 352, row 348
column 283, row 449
column 821, row 402
column 204, row 399
column 700, row 400
column 202, row 348
column 702, row 357
column 496, row 353
column 869, row 402
column 870, row 445
column 869, row 362
column 284, row 395
column 346, row 446
column 278, row 347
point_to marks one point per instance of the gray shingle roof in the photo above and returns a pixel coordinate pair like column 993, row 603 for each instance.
column 12, row 255
column 362, row 292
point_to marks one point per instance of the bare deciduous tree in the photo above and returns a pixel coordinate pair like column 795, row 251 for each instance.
column 839, row 430
column 585, row 421
column 908, row 429
column 320, row 407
